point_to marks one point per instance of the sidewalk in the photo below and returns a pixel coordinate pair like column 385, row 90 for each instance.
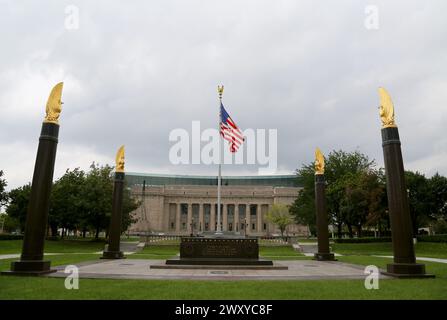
column 419, row 258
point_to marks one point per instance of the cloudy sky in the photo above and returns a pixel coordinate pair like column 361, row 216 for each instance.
column 136, row 70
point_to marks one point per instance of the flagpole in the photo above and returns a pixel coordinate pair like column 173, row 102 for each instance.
column 219, row 179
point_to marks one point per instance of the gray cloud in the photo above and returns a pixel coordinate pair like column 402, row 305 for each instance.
column 135, row 71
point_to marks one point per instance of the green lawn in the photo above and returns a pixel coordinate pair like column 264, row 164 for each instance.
column 51, row 288
column 423, row 249
column 156, row 252
column 280, row 253
column 61, row 246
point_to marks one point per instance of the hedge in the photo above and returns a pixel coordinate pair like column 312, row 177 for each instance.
column 435, row 238
column 11, row 237
column 362, row 240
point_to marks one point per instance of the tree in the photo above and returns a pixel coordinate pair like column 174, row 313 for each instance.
column 303, row 208
column 66, row 201
column 339, row 165
column 378, row 203
column 438, row 197
column 362, row 199
column 3, row 193
column 280, row 216
column 18, row 204
column 96, row 197
column 8, row 223
column 418, row 197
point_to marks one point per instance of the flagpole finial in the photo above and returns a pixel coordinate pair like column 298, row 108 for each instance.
column 220, row 90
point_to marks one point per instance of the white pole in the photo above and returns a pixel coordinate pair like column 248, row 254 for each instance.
column 219, row 231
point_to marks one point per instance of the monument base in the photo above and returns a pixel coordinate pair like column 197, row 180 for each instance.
column 29, row 268
column 219, row 250
column 219, row 262
column 324, row 257
column 407, row 270
column 113, row 255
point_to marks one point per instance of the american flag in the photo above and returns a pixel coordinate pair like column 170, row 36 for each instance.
column 229, row 130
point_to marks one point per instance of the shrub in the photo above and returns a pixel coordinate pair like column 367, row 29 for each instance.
column 11, row 237
column 363, row 240
column 434, row 238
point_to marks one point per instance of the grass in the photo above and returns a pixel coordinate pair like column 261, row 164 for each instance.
column 423, row 249
column 60, row 246
column 156, row 252
column 280, row 253
column 52, row 288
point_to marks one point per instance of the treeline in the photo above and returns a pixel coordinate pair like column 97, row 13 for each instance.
column 357, row 200
column 80, row 201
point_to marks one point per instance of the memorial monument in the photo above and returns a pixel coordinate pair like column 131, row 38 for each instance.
column 32, row 258
column 113, row 249
column 323, row 253
column 404, row 265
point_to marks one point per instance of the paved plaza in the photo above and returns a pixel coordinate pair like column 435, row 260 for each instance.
column 141, row 269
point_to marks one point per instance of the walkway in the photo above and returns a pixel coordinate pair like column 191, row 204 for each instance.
column 419, row 258
column 140, row 269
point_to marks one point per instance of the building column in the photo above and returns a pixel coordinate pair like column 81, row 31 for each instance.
column 201, row 223
column 189, row 220
column 236, row 226
column 177, row 218
column 259, row 217
column 225, row 217
column 213, row 217
column 269, row 224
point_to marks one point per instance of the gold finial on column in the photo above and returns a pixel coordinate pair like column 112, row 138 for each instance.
column 120, row 160
column 220, row 90
column 54, row 104
column 386, row 109
column 319, row 162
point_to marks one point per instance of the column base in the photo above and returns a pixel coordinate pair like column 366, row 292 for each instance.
column 324, row 257
column 113, row 255
column 29, row 268
column 407, row 270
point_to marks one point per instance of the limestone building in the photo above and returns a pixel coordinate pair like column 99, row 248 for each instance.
column 181, row 205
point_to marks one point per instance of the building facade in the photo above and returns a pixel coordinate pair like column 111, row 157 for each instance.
column 183, row 205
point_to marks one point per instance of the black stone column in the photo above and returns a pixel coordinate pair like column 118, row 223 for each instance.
column 401, row 227
column 323, row 253
column 31, row 261
column 113, row 249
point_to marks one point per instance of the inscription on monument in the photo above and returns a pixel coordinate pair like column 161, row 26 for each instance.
column 239, row 248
